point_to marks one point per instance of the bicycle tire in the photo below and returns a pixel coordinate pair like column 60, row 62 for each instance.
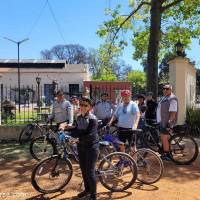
column 45, row 152
column 178, row 145
column 102, row 176
column 26, row 134
column 150, row 166
column 56, row 158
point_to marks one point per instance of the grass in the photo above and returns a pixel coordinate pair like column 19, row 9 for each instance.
column 24, row 117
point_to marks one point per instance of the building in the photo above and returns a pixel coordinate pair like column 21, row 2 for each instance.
column 68, row 77
column 113, row 89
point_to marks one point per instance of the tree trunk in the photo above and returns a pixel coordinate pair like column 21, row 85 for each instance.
column 153, row 48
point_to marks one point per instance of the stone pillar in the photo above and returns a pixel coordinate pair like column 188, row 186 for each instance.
column 182, row 76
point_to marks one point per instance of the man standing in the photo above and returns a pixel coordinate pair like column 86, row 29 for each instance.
column 151, row 106
column 104, row 109
column 167, row 113
column 76, row 106
column 62, row 110
column 128, row 116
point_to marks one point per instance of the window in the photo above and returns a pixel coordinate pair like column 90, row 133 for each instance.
column 73, row 89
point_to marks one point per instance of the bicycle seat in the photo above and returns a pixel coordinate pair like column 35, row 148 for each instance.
column 136, row 131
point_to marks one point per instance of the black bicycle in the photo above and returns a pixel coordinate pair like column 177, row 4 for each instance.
column 30, row 130
column 49, row 144
column 184, row 149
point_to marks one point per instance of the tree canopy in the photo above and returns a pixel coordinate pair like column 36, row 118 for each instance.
column 156, row 26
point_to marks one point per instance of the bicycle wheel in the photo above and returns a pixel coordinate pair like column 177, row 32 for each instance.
column 26, row 134
column 41, row 148
column 150, row 166
column 117, row 171
column 51, row 174
column 184, row 149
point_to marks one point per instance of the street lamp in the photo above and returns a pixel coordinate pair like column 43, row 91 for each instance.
column 179, row 48
column 38, row 80
column 18, row 72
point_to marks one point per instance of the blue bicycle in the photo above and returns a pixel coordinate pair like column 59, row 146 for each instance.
column 150, row 166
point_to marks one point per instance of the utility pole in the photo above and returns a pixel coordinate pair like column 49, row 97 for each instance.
column 18, row 70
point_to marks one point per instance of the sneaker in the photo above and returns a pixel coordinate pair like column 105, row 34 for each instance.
column 166, row 157
column 83, row 194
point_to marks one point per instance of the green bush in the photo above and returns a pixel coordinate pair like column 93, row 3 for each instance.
column 193, row 116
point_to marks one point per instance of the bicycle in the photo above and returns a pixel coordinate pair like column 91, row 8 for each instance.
column 55, row 172
column 150, row 166
column 26, row 135
column 183, row 148
column 49, row 144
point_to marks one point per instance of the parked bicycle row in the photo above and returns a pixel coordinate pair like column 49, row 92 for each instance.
column 119, row 152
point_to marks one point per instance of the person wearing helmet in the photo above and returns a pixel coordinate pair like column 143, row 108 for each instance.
column 128, row 115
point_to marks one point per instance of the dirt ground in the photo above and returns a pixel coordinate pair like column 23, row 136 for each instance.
column 177, row 183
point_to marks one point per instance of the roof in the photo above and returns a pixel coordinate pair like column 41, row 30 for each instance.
column 31, row 65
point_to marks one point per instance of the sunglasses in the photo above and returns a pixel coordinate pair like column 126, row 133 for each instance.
column 166, row 88
column 84, row 105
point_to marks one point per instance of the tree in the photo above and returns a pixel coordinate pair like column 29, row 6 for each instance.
column 163, row 76
column 106, row 75
column 157, row 26
column 138, row 79
column 101, row 66
column 72, row 53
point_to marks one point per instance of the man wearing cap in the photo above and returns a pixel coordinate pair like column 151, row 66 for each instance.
column 167, row 112
column 62, row 110
column 128, row 116
column 104, row 109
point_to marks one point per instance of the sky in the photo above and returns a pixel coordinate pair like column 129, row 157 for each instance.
column 78, row 21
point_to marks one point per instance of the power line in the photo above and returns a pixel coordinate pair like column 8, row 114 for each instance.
column 56, row 21
column 37, row 19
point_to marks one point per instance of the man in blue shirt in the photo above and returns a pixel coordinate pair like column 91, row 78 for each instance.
column 128, row 116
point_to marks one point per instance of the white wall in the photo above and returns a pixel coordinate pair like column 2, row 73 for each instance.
column 182, row 76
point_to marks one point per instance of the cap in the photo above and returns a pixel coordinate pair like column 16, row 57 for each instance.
column 168, row 86
column 125, row 93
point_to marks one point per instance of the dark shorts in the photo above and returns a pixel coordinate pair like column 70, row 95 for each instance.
column 125, row 135
column 163, row 129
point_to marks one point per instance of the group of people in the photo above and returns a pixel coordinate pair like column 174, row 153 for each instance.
column 129, row 115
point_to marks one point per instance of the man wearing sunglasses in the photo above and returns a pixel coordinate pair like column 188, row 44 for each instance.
column 128, row 116
column 167, row 112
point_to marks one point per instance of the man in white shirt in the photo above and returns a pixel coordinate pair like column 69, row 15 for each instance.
column 167, row 112
column 128, row 116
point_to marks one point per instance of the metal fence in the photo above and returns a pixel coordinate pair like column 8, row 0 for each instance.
column 35, row 102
